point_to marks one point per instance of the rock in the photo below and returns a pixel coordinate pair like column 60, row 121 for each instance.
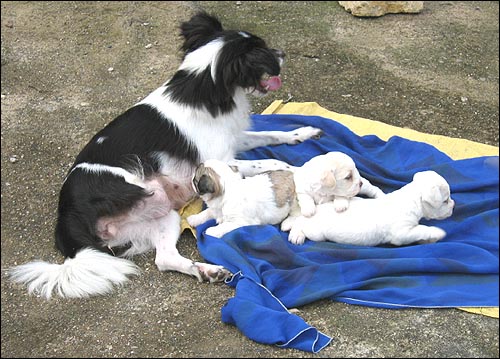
column 379, row 8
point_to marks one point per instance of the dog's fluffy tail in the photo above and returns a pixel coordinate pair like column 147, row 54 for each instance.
column 89, row 273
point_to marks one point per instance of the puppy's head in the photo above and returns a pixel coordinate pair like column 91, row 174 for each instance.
column 210, row 178
column 434, row 194
column 334, row 173
column 231, row 58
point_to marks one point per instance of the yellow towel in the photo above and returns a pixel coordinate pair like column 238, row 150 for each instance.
column 456, row 148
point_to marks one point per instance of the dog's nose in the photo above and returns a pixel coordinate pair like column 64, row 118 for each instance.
column 360, row 184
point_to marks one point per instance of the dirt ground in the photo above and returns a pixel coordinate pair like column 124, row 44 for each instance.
column 68, row 68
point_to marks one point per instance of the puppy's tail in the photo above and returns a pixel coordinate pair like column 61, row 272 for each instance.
column 89, row 273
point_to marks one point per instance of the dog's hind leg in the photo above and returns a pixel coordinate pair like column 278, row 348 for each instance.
column 168, row 257
column 421, row 234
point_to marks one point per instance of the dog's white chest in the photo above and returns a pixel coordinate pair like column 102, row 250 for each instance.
column 214, row 137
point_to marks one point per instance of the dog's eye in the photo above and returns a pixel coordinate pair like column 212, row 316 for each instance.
column 447, row 200
column 349, row 177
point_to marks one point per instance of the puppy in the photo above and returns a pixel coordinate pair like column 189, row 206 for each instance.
column 271, row 197
column 126, row 186
column 234, row 201
column 331, row 177
column 393, row 218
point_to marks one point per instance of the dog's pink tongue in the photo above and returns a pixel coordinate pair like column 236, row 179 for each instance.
column 272, row 84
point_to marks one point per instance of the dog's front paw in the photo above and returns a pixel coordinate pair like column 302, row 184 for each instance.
column 308, row 209
column 287, row 224
column 215, row 232
column 369, row 190
column 195, row 220
column 434, row 234
column 377, row 193
column 304, row 133
column 211, row 273
column 296, row 236
column 341, row 205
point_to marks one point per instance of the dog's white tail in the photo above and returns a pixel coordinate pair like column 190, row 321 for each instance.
column 89, row 273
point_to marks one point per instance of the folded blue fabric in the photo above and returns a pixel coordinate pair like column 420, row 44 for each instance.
column 272, row 274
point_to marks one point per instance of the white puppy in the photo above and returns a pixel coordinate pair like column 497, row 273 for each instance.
column 234, row 201
column 393, row 218
column 332, row 177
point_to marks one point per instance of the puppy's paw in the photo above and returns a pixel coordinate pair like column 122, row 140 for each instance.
column 304, row 133
column 211, row 273
column 216, row 232
column 434, row 234
column 376, row 193
column 287, row 224
column 341, row 205
column 308, row 209
column 370, row 190
column 194, row 220
column 296, row 236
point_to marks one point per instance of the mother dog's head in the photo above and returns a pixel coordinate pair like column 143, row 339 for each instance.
column 218, row 62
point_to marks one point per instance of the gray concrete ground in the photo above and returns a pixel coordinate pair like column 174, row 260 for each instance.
column 435, row 72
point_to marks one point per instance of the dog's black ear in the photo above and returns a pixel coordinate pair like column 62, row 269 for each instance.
column 199, row 30
column 244, row 61
column 206, row 185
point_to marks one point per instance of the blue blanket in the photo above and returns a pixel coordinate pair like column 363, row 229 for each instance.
column 272, row 274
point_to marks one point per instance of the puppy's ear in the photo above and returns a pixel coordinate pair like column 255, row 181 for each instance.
column 432, row 197
column 199, row 30
column 419, row 176
column 234, row 168
column 328, row 179
column 207, row 185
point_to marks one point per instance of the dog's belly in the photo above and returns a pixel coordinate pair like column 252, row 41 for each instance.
column 178, row 191
column 166, row 194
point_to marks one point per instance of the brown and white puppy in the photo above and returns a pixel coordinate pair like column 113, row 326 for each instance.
column 393, row 218
column 234, row 201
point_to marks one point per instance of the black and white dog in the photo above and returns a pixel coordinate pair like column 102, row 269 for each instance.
column 128, row 183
